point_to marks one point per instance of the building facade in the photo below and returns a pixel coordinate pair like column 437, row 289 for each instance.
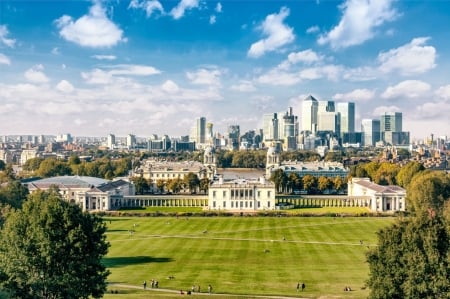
column 378, row 198
column 242, row 195
column 92, row 194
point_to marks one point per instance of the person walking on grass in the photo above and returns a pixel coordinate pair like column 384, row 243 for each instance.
column 209, row 289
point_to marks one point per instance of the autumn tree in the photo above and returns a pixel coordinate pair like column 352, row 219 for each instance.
column 407, row 172
column 51, row 249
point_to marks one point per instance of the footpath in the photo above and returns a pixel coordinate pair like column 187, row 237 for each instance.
column 129, row 286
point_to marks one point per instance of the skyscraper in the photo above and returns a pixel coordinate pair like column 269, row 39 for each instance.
column 270, row 126
column 370, row 128
column 328, row 119
column 111, row 141
column 309, row 114
column 391, row 122
column 347, row 114
column 200, row 130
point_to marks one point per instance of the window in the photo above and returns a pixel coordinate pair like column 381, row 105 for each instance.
column 214, row 194
column 268, row 204
column 224, row 194
column 232, row 204
column 224, row 204
column 259, row 194
column 259, row 204
column 214, row 204
column 268, row 194
column 250, row 204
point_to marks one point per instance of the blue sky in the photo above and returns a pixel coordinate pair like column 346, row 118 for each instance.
column 91, row 68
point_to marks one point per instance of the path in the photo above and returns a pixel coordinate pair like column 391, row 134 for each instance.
column 130, row 286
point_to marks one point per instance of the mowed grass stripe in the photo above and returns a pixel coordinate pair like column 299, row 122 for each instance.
column 324, row 252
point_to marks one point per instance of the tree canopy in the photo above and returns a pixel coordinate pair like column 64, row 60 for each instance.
column 51, row 249
column 413, row 255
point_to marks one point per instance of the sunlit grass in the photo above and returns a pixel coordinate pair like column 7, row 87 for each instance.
column 242, row 255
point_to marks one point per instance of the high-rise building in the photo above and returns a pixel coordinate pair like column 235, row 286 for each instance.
column 370, row 129
column 309, row 114
column 328, row 120
column 111, row 141
column 201, row 130
column 270, row 127
column 391, row 122
column 131, row 141
column 347, row 115
column 233, row 136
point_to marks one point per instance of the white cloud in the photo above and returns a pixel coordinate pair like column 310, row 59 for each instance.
column 170, row 87
column 313, row 29
column 331, row 72
column 114, row 73
column 377, row 112
column 243, row 86
column 218, row 8
column 3, row 37
column 93, row 30
column 212, row 19
column 205, row 76
column 306, row 56
column 279, row 77
column 36, row 74
column 104, row 57
column 358, row 22
column 357, row 95
column 278, row 34
column 413, row 58
column 4, row 59
column 178, row 11
column 149, row 6
column 65, row 86
column 407, row 89
column 55, row 51
column 443, row 92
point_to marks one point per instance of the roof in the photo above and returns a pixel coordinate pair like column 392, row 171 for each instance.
column 379, row 188
column 70, row 181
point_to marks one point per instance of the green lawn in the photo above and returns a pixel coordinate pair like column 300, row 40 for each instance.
column 242, row 255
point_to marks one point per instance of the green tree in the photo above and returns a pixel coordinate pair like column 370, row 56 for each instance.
column 13, row 194
column 279, row 178
column 32, row 164
column 407, row 172
column 204, row 185
column 192, row 181
column 324, row 183
column 294, row 182
column 428, row 190
column 386, row 174
column 51, row 167
column 140, row 184
column 309, row 183
column 51, row 249
column 339, row 183
column 411, row 260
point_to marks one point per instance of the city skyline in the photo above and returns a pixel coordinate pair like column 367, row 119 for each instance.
column 93, row 67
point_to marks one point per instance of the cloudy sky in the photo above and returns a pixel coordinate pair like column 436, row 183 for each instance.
column 90, row 68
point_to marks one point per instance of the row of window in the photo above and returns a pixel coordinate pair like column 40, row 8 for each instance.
column 239, row 204
column 241, row 194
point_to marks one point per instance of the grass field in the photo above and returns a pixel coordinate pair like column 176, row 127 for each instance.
column 241, row 255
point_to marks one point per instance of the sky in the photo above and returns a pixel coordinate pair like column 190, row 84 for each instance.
column 90, row 68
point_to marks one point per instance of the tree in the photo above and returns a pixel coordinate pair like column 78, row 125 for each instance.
column 411, row 260
column 192, row 181
column 430, row 189
column 279, row 178
column 309, row 183
column 324, row 183
column 140, row 184
column 386, row 174
column 204, row 185
column 407, row 172
column 52, row 249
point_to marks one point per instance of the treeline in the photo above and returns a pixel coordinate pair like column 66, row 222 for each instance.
column 190, row 182
column 105, row 167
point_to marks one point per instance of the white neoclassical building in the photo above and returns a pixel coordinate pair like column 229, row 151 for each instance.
column 92, row 194
column 242, row 195
column 378, row 198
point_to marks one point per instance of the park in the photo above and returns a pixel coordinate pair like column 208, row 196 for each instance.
column 240, row 256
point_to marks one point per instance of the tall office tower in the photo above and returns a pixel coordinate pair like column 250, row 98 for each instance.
column 370, row 128
column 209, row 133
column 391, row 129
column 347, row 112
column 270, row 126
column 326, row 106
column 131, row 141
column 391, row 122
column 309, row 114
column 201, row 130
column 234, row 132
column 111, row 141
column 289, row 130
